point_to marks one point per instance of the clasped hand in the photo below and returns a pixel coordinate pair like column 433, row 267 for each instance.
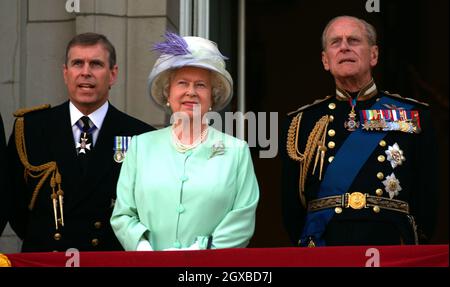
column 194, row 246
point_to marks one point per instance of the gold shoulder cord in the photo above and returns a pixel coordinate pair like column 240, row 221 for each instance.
column 315, row 144
column 41, row 172
column 292, row 139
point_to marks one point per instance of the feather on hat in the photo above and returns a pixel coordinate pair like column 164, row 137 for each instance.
column 177, row 52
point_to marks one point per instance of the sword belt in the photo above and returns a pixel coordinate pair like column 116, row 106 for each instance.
column 358, row 200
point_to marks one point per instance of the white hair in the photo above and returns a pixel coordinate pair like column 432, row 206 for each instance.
column 371, row 33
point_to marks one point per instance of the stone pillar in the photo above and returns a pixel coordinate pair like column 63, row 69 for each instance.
column 48, row 29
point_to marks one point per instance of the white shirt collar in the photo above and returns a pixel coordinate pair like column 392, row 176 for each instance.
column 97, row 117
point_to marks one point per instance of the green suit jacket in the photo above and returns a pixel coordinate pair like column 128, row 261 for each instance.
column 174, row 199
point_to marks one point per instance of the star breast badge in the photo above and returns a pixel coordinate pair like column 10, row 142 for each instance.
column 392, row 185
column 395, row 155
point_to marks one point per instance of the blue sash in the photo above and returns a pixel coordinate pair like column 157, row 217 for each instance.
column 350, row 158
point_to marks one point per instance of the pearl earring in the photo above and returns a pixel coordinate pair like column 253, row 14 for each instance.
column 210, row 109
column 168, row 104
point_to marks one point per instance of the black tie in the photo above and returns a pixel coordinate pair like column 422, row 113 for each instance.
column 85, row 144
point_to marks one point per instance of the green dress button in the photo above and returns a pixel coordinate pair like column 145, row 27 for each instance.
column 180, row 208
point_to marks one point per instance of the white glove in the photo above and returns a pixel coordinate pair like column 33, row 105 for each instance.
column 192, row 247
column 171, row 249
column 144, row 245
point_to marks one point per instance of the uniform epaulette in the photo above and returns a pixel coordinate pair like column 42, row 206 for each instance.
column 24, row 111
column 406, row 99
column 309, row 105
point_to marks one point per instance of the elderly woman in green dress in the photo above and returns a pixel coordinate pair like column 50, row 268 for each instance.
column 187, row 186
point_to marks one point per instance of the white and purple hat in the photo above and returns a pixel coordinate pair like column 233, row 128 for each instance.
column 177, row 52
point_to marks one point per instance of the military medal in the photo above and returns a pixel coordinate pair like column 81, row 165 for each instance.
column 351, row 124
column 121, row 144
column 118, row 149
column 84, row 144
column 118, row 156
column 391, row 120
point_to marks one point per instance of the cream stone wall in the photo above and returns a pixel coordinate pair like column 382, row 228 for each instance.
column 33, row 37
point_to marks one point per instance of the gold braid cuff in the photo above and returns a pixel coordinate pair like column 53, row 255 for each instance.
column 41, row 172
column 315, row 143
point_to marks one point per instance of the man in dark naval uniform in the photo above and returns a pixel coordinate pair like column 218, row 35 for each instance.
column 66, row 160
column 360, row 167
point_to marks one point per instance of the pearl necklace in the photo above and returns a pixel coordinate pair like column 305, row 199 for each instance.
column 181, row 147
